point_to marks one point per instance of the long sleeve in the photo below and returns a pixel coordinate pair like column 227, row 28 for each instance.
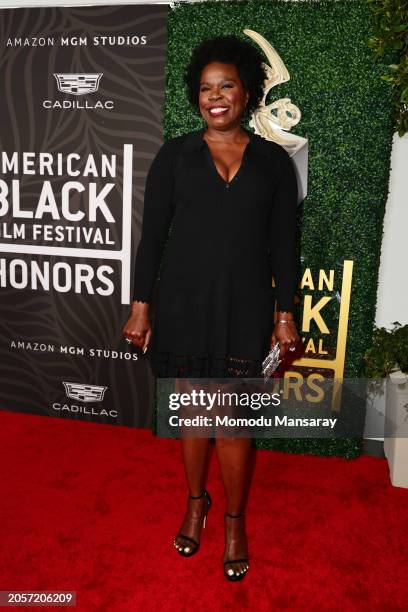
column 283, row 234
column 157, row 215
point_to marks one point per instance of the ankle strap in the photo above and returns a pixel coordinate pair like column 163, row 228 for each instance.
column 234, row 515
column 198, row 496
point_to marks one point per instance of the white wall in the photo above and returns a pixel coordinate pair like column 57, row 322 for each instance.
column 392, row 295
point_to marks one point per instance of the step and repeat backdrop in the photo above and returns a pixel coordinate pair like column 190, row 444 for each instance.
column 83, row 111
column 81, row 96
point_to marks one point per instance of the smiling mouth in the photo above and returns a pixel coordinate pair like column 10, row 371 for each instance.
column 216, row 111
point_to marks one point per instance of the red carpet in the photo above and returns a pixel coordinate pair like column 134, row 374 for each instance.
column 94, row 508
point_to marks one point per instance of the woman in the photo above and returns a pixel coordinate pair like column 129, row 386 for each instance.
column 225, row 200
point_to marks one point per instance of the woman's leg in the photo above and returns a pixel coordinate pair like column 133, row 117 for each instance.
column 195, row 452
column 236, row 459
column 195, row 455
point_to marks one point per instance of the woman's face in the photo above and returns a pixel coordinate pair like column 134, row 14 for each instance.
column 222, row 97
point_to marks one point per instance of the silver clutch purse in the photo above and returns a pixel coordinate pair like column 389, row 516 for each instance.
column 271, row 361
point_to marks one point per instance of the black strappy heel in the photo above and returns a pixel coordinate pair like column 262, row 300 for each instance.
column 188, row 551
column 230, row 574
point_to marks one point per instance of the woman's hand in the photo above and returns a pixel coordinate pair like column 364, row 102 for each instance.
column 285, row 333
column 137, row 328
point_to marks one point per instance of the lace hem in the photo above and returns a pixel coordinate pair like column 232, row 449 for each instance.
column 169, row 365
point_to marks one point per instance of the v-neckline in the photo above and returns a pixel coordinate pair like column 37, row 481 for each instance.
column 215, row 169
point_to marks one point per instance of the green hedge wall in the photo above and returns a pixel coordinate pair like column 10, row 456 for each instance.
column 347, row 118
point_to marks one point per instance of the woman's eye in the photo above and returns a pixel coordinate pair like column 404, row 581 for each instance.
column 206, row 88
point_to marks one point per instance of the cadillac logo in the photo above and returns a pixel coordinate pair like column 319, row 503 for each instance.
column 85, row 393
column 77, row 84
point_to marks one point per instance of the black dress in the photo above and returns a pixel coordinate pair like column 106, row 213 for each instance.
column 214, row 311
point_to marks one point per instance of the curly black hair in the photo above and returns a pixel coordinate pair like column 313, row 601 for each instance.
column 228, row 50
